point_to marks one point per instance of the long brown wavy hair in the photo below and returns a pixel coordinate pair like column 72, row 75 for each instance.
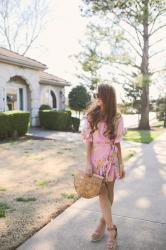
column 109, row 113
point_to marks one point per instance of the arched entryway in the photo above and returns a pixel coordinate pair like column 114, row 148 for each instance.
column 17, row 94
column 54, row 102
column 48, row 97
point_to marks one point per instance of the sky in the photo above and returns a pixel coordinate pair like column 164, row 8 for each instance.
column 60, row 40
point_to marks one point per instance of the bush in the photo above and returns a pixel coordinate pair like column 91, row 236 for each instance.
column 5, row 128
column 79, row 98
column 56, row 120
column 160, row 115
column 75, row 123
column 45, row 107
column 13, row 123
column 66, row 111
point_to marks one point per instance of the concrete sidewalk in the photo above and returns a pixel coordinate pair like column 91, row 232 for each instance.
column 138, row 210
column 74, row 137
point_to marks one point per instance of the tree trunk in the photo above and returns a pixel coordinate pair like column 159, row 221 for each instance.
column 144, row 121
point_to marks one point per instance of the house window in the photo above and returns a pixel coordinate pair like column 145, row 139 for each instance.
column 21, row 105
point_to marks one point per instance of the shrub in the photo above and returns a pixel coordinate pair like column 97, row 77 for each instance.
column 56, row 120
column 79, row 98
column 45, row 107
column 66, row 111
column 13, row 123
column 4, row 125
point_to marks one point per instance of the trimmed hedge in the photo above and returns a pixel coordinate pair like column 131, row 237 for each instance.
column 58, row 120
column 45, row 107
column 13, row 123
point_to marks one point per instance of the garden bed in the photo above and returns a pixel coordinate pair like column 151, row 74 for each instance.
column 36, row 184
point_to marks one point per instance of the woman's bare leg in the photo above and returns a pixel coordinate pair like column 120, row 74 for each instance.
column 106, row 208
column 105, row 205
column 110, row 194
column 110, row 189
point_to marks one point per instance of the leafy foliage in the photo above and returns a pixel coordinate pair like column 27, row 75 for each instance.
column 13, row 123
column 45, row 107
column 161, row 108
column 79, row 98
column 129, row 28
column 133, row 95
column 56, row 120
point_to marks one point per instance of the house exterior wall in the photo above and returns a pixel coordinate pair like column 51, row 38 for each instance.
column 33, row 100
column 31, row 78
column 59, row 93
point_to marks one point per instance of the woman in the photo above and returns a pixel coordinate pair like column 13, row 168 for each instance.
column 102, row 132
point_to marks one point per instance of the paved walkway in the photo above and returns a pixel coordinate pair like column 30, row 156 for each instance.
column 138, row 210
column 54, row 135
column 73, row 137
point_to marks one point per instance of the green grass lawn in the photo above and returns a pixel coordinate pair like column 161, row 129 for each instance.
column 144, row 136
column 3, row 207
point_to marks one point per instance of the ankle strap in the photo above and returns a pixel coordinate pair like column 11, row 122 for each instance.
column 112, row 228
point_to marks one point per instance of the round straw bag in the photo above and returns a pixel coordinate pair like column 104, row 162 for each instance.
column 88, row 187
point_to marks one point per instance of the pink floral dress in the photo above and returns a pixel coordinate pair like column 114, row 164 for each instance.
column 104, row 157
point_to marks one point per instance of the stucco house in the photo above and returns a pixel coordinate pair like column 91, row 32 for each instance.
column 24, row 85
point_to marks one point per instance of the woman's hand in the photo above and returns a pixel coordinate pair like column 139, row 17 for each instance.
column 121, row 172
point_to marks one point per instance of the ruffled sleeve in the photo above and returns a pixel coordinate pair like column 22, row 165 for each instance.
column 85, row 131
column 120, row 129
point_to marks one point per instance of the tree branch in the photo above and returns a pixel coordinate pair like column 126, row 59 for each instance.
column 138, row 42
column 138, row 2
column 155, row 19
column 128, row 64
column 156, row 53
column 31, row 18
column 5, row 20
column 160, row 27
column 138, row 53
column 161, row 39
column 158, row 71
column 134, row 27
column 124, row 74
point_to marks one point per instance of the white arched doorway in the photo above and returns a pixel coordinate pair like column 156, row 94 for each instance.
column 48, row 97
column 17, row 94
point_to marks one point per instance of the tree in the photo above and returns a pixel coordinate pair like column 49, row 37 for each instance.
column 78, row 98
column 132, row 28
column 21, row 23
column 161, row 109
column 133, row 95
column 89, row 60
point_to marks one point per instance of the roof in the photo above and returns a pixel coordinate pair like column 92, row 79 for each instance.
column 47, row 78
column 12, row 57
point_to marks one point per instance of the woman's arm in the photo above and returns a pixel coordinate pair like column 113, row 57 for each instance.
column 120, row 159
column 88, row 140
column 88, row 152
column 88, row 158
